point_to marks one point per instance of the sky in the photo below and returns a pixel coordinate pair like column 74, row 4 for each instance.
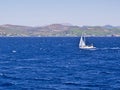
column 45, row 12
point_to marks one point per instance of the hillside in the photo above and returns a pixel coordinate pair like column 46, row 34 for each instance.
column 58, row 30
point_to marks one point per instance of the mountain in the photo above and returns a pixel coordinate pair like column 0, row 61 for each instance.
column 58, row 30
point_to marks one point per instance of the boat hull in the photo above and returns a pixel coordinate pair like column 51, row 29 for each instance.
column 87, row 47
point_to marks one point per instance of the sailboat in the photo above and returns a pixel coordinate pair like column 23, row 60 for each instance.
column 82, row 44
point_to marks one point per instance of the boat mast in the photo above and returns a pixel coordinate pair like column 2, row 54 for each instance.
column 84, row 37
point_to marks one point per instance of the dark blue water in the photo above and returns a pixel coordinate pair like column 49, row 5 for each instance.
column 58, row 64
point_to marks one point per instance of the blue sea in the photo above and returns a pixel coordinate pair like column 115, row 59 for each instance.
column 57, row 63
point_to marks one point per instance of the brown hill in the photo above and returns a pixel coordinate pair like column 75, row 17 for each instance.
column 58, row 30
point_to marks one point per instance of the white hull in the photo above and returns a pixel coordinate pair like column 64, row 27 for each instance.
column 87, row 47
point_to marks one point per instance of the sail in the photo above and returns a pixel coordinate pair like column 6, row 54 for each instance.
column 82, row 43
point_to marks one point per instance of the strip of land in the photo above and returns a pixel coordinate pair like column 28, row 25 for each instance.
column 59, row 30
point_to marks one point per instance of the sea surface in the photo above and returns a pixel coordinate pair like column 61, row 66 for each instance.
column 57, row 63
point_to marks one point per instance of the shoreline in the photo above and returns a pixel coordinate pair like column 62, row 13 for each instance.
column 54, row 36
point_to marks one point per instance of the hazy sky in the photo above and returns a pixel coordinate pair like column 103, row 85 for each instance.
column 44, row 12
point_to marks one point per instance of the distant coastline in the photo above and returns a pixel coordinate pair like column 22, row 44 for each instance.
column 59, row 30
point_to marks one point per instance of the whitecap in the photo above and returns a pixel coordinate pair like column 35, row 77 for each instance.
column 13, row 51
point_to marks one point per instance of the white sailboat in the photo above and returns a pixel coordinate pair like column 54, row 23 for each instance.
column 82, row 44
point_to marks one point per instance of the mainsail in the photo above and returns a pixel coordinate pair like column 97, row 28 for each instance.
column 82, row 43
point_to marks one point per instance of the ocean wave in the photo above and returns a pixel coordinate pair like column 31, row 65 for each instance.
column 72, row 83
column 6, row 84
column 9, row 77
column 106, row 48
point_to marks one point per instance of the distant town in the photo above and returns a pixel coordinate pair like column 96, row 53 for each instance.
column 58, row 30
